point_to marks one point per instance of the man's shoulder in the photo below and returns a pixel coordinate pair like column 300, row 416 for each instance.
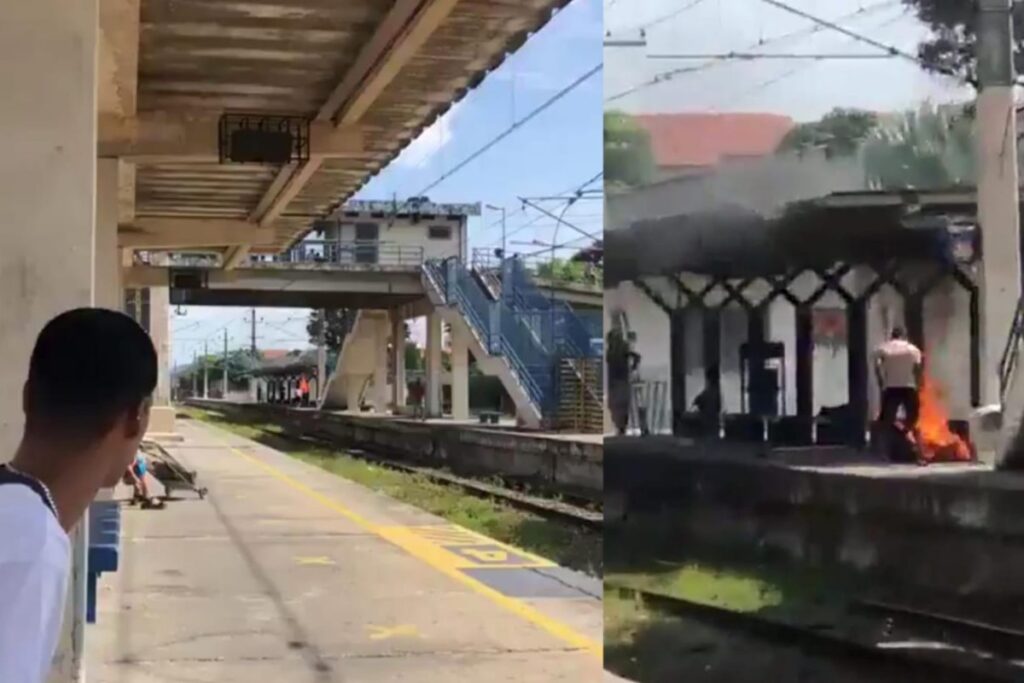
column 28, row 527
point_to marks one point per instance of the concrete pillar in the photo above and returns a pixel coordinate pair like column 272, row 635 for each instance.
column 398, row 389
column 433, row 397
column 47, row 200
column 107, row 258
column 161, row 419
column 353, row 387
column 380, row 368
column 460, row 375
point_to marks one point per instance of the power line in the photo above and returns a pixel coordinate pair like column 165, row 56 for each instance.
column 891, row 49
column 536, row 219
column 751, row 56
column 793, row 71
column 663, row 18
column 790, row 35
column 511, row 129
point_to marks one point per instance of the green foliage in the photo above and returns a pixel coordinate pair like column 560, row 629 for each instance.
column 925, row 149
column 339, row 321
column 628, row 159
column 413, row 356
column 561, row 270
column 839, row 133
column 951, row 46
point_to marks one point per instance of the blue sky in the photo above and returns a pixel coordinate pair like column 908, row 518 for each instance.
column 553, row 153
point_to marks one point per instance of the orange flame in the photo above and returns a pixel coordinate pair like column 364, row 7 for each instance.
column 938, row 442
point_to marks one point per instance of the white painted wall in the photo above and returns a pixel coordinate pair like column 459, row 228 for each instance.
column 402, row 231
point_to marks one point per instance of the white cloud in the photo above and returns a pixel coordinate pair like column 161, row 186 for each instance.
column 431, row 141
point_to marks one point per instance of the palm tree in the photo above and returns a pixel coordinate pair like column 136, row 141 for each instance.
column 929, row 148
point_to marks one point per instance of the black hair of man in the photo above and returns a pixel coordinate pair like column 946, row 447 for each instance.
column 89, row 366
column 898, row 333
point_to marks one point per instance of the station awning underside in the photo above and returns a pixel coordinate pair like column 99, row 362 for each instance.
column 370, row 75
column 734, row 242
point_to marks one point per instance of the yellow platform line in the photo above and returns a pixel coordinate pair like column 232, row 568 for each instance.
column 436, row 557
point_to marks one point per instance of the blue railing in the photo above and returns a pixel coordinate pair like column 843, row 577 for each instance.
column 554, row 322
column 499, row 328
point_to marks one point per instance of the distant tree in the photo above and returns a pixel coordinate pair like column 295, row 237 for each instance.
column 927, row 148
column 839, row 133
column 951, row 47
column 339, row 322
column 628, row 159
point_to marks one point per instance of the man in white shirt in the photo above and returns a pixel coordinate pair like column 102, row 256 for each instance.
column 86, row 404
column 898, row 370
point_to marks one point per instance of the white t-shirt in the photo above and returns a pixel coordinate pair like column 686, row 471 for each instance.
column 898, row 358
column 35, row 561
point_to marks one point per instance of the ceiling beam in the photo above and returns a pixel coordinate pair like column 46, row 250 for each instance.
column 117, row 65
column 407, row 26
column 169, row 233
column 166, row 138
column 296, row 179
column 236, row 256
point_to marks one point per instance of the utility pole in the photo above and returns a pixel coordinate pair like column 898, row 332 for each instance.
column 195, row 373
column 253, row 321
column 998, row 197
column 998, row 218
column 225, row 394
column 206, row 370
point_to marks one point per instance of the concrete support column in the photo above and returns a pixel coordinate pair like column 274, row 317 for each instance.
column 47, row 200
column 107, row 256
column 161, row 419
column 460, row 375
column 433, row 397
column 380, row 368
column 398, row 389
column 998, row 206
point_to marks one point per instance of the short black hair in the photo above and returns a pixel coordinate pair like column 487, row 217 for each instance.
column 898, row 332
column 88, row 367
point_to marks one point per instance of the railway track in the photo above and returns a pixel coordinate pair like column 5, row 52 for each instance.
column 877, row 637
column 561, row 509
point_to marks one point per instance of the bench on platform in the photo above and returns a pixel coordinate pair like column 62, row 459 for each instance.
column 104, row 542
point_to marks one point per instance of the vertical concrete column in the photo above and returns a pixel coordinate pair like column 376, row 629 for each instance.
column 433, row 398
column 398, row 389
column 47, row 201
column 161, row 419
column 460, row 375
column 998, row 204
column 107, row 257
column 380, row 367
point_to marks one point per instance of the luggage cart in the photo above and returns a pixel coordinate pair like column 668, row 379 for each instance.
column 169, row 471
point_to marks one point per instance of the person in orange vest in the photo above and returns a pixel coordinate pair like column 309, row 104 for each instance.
column 303, row 390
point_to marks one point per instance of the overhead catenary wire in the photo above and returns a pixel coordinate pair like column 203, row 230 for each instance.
column 642, row 27
column 580, row 80
column 800, row 33
column 891, row 49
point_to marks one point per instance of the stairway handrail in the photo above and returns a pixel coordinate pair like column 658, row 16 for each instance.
column 1011, row 352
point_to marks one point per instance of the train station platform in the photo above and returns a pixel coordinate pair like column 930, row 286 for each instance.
column 285, row 572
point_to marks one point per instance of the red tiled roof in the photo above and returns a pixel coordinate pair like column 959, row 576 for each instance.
column 271, row 354
column 693, row 139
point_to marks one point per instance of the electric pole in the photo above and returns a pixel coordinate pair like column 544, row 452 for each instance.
column 195, row 373
column 253, row 321
column 206, row 370
column 225, row 394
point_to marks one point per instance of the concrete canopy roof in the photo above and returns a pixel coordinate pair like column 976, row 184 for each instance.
column 370, row 74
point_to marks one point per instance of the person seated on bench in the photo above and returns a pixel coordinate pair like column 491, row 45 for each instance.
column 136, row 476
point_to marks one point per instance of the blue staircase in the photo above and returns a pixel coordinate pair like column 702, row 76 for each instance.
column 530, row 330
